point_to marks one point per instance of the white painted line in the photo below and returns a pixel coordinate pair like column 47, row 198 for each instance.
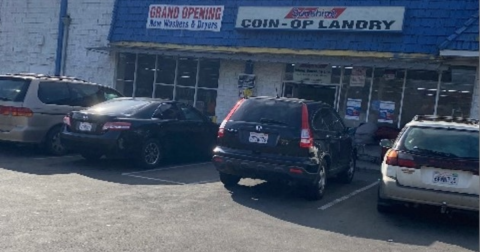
column 204, row 182
column 324, row 207
column 162, row 180
column 166, row 168
column 55, row 157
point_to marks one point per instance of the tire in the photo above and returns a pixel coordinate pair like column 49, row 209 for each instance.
column 383, row 206
column 151, row 154
column 317, row 189
column 229, row 180
column 346, row 176
column 53, row 144
column 91, row 156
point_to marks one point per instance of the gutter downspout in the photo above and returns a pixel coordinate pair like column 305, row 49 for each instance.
column 61, row 35
column 66, row 22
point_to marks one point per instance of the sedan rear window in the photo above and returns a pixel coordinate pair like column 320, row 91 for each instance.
column 269, row 112
column 441, row 142
column 12, row 89
column 119, row 107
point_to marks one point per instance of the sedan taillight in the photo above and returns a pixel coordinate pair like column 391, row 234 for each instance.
column 116, row 126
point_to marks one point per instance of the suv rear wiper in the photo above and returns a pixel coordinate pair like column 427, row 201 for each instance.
column 444, row 154
column 272, row 121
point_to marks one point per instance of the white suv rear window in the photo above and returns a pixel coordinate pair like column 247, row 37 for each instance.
column 13, row 90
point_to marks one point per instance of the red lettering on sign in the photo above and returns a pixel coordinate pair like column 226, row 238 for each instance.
column 218, row 15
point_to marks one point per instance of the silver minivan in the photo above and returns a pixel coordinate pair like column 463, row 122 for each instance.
column 32, row 106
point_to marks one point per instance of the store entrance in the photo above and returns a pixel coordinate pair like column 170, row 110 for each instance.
column 322, row 93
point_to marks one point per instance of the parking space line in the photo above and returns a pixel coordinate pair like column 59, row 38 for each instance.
column 161, row 180
column 166, row 168
column 203, row 182
column 54, row 157
column 325, row 207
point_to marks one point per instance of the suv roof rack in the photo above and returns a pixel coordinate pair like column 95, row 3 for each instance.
column 434, row 118
column 45, row 76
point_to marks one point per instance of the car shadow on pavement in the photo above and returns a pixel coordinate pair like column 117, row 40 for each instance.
column 31, row 160
column 357, row 216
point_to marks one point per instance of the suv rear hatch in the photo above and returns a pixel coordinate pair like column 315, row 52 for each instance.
column 265, row 126
column 12, row 95
column 438, row 159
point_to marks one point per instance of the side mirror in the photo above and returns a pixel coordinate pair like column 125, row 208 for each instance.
column 386, row 143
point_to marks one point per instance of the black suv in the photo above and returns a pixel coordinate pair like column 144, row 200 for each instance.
column 294, row 140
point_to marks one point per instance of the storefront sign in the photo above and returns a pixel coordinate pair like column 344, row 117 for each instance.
column 312, row 73
column 386, row 112
column 354, row 108
column 185, row 17
column 321, row 18
column 358, row 76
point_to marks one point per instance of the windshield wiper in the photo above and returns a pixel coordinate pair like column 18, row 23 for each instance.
column 271, row 121
column 439, row 153
column 5, row 99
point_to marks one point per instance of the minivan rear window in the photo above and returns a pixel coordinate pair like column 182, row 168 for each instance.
column 450, row 143
column 12, row 89
column 269, row 112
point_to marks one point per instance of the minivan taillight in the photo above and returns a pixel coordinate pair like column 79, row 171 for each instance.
column 16, row 111
column 306, row 138
column 116, row 126
column 396, row 158
column 221, row 129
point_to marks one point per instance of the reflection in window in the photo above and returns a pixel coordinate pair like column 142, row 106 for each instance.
column 456, row 92
column 187, row 72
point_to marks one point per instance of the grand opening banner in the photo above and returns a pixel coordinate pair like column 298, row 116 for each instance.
column 185, row 17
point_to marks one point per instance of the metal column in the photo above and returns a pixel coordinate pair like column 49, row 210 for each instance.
column 437, row 97
column 370, row 94
column 401, row 101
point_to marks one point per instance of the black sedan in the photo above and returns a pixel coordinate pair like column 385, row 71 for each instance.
column 146, row 129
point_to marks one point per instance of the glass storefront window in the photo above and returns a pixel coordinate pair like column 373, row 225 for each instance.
column 166, row 70
column 357, row 92
column 185, row 95
column 164, row 91
column 145, row 75
column 206, row 101
column 187, row 72
column 209, row 73
column 456, row 91
column 420, row 92
column 125, row 73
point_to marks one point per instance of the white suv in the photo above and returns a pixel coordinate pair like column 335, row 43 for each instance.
column 434, row 161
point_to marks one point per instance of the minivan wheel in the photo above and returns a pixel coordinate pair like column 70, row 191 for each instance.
column 151, row 154
column 54, row 144
column 91, row 156
column 346, row 176
column 228, row 179
column 317, row 190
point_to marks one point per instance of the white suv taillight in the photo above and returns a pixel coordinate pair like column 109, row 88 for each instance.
column 116, row 126
column 306, row 137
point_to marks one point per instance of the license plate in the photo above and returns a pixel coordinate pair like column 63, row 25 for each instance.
column 260, row 138
column 84, row 126
column 445, row 178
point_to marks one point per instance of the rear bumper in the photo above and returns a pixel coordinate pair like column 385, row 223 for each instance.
column 23, row 135
column 267, row 168
column 391, row 190
column 111, row 143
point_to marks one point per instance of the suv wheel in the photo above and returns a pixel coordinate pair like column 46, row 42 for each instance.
column 151, row 154
column 53, row 142
column 346, row 176
column 228, row 179
column 91, row 156
column 317, row 190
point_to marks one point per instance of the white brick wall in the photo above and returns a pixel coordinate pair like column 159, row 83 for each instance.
column 269, row 78
column 28, row 36
column 474, row 112
column 29, row 32
column 89, row 28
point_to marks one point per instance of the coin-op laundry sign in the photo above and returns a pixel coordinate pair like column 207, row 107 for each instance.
column 321, row 18
column 185, row 17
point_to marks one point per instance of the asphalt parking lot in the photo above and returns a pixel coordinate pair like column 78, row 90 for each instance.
column 69, row 204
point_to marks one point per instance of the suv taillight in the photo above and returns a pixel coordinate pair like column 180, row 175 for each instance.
column 396, row 158
column 306, row 138
column 16, row 111
column 221, row 129
column 116, row 126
